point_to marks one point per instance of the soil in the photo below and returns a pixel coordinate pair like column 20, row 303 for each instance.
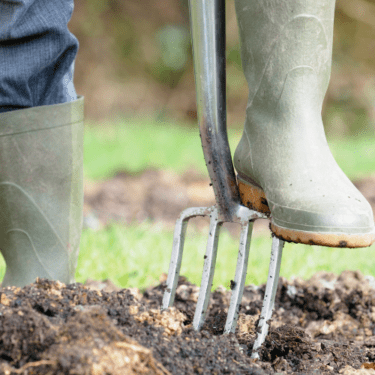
column 160, row 196
column 325, row 325
column 321, row 326
column 153, row 195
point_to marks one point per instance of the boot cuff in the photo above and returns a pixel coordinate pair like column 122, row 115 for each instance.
column 43, row 117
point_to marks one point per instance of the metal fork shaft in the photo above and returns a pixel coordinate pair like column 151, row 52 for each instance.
column 208, row 35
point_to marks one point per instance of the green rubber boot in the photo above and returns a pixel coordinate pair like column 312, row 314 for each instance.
column 284, row 164
column 41, row 192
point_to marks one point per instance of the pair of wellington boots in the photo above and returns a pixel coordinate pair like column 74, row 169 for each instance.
column 284, row 165
column 41, row 192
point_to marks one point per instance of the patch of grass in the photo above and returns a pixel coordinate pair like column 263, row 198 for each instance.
column 136, row 144
column 136, row 256
column 355, row 155
column 2, row 267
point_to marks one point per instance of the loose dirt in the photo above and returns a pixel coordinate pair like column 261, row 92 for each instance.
column 321, row 326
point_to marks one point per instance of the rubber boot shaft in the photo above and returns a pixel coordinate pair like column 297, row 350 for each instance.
column 41, row 191
column 286, row 54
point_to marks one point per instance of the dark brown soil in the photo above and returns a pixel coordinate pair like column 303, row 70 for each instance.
column 321, row 326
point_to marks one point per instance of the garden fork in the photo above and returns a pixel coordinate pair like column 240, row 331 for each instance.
column 208, row 35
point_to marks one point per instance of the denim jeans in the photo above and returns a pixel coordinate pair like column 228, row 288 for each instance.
column 37, row 53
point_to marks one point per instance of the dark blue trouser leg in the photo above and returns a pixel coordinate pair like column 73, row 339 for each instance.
column 37, row 53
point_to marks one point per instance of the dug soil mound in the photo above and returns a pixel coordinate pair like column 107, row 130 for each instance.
column 321, row 326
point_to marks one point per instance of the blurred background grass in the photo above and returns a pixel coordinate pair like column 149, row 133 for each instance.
column 121, row 145
column 137, row 256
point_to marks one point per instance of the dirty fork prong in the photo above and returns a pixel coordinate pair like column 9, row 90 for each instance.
column 208, row 269
column 177, row 250
column 239, row 278
column 269, row 295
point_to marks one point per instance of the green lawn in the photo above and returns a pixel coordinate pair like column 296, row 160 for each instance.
column 356, row 156
column 134, row 145
column 136, row 256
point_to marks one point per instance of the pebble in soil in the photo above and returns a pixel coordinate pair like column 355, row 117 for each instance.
column 321, row 326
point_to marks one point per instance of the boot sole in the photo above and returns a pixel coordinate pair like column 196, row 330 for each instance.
column 253, row 197
column 323, row 239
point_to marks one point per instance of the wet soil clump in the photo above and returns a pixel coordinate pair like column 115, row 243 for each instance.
column 325, row 325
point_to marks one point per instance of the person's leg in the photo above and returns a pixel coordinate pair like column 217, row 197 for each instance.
column 41, row 142
column 37, row 53
column 283, row 160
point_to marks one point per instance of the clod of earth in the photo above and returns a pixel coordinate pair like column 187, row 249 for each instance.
column 321, row 326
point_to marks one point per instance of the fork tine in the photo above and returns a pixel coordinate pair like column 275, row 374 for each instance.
column 239, row 278
column 269, row 295
column 208, row 270
column 177, row 250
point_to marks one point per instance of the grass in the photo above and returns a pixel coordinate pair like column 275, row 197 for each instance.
column 356, row 156
column 133, row 145
column 137, row 255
